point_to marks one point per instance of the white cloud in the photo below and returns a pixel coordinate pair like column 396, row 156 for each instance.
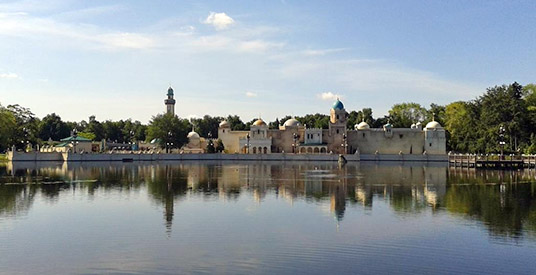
column 251, row 94
column 322, row 52
column 9, row 75
column 43, row 29
column 328, row 96
column 219, row 20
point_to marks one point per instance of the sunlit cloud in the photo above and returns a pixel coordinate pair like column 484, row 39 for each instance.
column 9, row 75
column 251, row 94
column 328, row 96
column 322, row 52
column 220, row 21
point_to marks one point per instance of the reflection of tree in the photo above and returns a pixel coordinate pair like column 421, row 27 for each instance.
column 504, row 209
column 16, row 199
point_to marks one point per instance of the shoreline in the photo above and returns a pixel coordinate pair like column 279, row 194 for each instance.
column 135, row 157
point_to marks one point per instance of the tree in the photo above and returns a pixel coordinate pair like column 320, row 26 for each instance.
column 404, row 114
column 220, row 147
column 459, row 123
column 52, row 127
column 26, row 128
column 207, row 125
column 503, row 105
column 168, row 129
column 236, row 123
column 7, row 128
column 210, row 147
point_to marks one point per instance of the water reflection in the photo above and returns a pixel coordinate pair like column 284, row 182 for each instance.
column 503, row 201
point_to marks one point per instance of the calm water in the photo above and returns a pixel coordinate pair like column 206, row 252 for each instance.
column 282, row 218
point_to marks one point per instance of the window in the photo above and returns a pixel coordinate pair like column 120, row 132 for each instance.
column 337, row 131
column 401, row 135
column 430, row 144
column 363, row 135
column 337, row 116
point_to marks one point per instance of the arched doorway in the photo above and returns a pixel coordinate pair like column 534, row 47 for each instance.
column 265, row 150
column 254, row 150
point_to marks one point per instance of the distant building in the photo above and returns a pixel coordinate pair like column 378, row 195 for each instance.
column 292, row 137
column 170, row 102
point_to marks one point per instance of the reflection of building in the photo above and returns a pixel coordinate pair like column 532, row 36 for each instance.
column 293, row 137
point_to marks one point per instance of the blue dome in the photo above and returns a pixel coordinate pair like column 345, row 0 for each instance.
column 338, row 105
column 170, row 91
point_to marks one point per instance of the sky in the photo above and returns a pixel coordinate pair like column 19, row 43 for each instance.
column 116, row 59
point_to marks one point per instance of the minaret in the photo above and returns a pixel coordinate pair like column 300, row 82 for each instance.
column 170, row 102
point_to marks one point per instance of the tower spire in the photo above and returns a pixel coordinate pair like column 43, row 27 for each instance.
column 170, row 101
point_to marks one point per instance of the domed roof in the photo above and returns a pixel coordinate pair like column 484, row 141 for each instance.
column 193, row 134
column 433, row 125
column 259, row 122
column 225, row 124
column 338, row 105
column 292, row 122
column 170, row 91
column 362, row 126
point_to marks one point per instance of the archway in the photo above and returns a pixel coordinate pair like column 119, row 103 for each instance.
column 316, row 151
column 303, row 150
column 265, row 150
column 260, row 150
column 309, row 150
column 254, row 150
column 323, row 150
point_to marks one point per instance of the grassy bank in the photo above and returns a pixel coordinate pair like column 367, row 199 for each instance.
column 3, row 157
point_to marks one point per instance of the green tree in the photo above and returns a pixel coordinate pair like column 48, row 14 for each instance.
column 167, row 129
column 207, row 125
column 210, row 147
column 503, row 105
column 236, row 123
column 220, row 147
column 404, row 114
column 52, row 127
column 7, row 128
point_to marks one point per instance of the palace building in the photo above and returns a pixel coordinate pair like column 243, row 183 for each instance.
column 293, row 137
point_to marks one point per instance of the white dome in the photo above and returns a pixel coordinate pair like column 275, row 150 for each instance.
column 291, row 122
column 193, row 135
column 362, row 126
column 433, row 125
column 225, row 124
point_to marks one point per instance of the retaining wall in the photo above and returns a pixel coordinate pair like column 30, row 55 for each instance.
column 36, row 156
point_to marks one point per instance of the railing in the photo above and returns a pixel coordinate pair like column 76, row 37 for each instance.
column 492, row 160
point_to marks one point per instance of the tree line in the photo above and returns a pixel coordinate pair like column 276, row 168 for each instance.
column 472, row 126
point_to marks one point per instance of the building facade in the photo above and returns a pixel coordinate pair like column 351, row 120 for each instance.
column 293, row 137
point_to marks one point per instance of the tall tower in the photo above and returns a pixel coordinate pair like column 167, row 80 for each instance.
column 337, row 128
column 170, row 102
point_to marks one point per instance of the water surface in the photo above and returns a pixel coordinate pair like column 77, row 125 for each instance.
column 265, row 218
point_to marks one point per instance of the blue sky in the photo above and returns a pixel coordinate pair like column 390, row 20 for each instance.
column 115, row 59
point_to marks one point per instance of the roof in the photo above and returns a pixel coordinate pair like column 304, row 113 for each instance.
column 77, row 138
column 292, row 122
column 338, row 105
column 259, row 122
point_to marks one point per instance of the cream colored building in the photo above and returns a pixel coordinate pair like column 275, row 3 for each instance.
column 292, row 137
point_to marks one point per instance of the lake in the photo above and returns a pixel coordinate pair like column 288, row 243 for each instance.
column 265, row 218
